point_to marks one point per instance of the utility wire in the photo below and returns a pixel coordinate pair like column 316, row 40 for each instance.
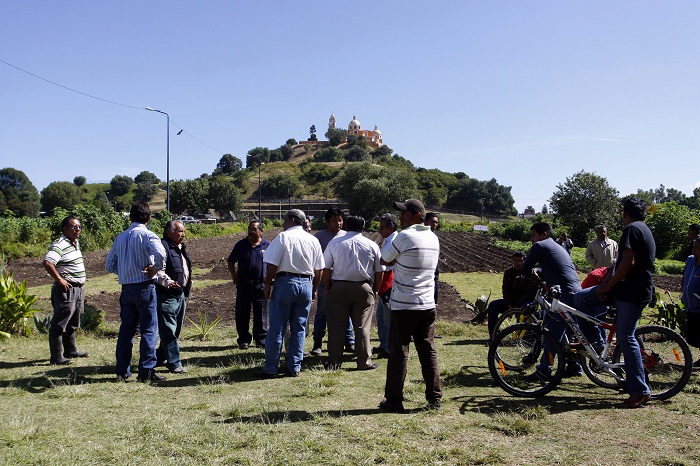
column 105, row 100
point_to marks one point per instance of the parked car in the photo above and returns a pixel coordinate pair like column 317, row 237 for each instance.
column 187, row 219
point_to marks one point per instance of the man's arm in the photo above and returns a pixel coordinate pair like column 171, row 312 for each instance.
column 271, row 272
column 621, row 271
column 327, row 274
column 377, row 281
column 232, row 270
column 590, row 257
column 51, row 269
column 318, row 274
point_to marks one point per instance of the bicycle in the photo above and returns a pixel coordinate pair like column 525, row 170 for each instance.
column 516, row 350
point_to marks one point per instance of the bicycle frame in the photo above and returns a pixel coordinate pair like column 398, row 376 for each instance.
column 567, row 312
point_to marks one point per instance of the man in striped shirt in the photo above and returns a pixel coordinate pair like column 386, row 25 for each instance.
column 64, row 262
column 136, row 256
column 414, row 254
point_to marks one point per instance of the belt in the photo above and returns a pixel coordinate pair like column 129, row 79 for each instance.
column 252, row 282
column 353, row 281
column 292, row 274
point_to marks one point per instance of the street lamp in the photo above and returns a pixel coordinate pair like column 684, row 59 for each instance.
column 167, row 173
column 257, row 159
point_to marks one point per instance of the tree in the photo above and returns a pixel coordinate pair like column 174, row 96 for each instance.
column 336, row 136
column 291, row 142
column 189, row 196
column 669, row 222
column 487, row 196
column 545, row 209
column 371, row 189
column 357, row 154
column 145, row 192
column 79, row 181
column 329, row 154
column 312, row 133
column 584, row 201
column 228, row 165
column 280, row 185
column 224, row 197
column 20, row 196
column 287, row 151
column 61, row 194
column 529, row 210
column 257, row 156
column 120, row 185
column 146, row 177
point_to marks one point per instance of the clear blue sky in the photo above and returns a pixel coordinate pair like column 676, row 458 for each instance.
column 528, row 93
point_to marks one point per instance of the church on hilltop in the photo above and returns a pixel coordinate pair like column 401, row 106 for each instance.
column 355, row 128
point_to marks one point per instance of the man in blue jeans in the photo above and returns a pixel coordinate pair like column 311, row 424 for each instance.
column 295, row 261
column 632, row 288
column 133, row 251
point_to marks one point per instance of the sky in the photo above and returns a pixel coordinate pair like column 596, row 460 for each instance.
column 526, row 92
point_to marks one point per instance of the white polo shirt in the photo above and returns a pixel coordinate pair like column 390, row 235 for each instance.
column 353, row 257
column 295, row 251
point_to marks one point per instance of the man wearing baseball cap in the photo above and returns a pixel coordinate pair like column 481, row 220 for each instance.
column 414, row 254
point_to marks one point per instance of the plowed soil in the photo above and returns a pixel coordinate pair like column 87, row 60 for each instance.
column 460, row 252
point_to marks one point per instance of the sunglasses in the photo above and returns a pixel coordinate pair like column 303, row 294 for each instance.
column 76, row 227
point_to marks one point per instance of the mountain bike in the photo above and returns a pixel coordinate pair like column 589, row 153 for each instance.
column 516, row 350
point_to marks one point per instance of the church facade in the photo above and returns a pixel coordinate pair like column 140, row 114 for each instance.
column 374, row 137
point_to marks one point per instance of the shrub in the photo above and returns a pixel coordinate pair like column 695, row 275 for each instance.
column 92, row 318
column 518, row 230
column 16, row 305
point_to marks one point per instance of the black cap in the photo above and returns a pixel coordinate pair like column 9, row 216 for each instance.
column 414, row 205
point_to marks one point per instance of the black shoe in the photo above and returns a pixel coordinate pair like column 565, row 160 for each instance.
column 261, row 374
column 330, row 367
column 371, row 367
column 76, row 354
column 436, row 404
column 150, row 376
column 393, row 407
column 61, row 361
column 349, row 348
column 244, row 346
column 317, row 349
column 259, row 345
column 573, row 370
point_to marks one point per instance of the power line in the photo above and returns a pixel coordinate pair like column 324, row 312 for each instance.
column 106, row 101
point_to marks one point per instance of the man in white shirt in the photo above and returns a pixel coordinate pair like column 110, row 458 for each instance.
column 351, row 276
column 388, row 224
column 295, row 261
column 414, row 254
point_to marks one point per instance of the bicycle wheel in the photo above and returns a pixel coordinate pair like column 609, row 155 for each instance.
column 512, row 317
column 667, row 359
column 514, row 355
column 597, row 375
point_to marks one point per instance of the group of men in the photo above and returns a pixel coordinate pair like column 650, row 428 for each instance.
column 281, row 279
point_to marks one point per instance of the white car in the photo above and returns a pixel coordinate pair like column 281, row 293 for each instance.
column 187, row 219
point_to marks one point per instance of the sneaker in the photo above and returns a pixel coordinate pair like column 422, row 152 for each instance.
column 317, row 350
column 393, row 407
column 292, row 373
column 636, row 401
column 178, row 370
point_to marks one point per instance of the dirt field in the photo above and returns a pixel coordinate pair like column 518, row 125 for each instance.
column 460, row 252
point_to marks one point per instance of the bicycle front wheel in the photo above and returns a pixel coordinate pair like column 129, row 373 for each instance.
column 514, row 355
column 511, row 317
column 668, row 362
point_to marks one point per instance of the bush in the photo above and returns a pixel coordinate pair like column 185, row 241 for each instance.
column 16, row 305
column 92, row 318
column 518, row 230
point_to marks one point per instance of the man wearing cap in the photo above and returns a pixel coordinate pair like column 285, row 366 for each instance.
column 295, row 261
column 414, row 254
column 351, row 276
column 64, row 262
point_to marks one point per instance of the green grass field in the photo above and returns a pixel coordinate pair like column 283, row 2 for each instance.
column 218, row 413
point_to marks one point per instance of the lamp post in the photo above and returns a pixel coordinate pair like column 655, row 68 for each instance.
column 257, row 159
column 167, row 172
